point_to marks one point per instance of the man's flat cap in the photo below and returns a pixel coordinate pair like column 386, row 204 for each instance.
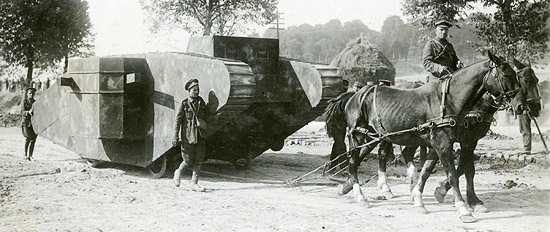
column 191, row 83
column 443, row 23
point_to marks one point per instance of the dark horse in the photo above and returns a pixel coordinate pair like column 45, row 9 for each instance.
column 479, row 123
column 476, row 123
column 336, row 129
column 389, row 111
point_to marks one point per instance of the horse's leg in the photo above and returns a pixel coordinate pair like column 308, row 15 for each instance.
column 444, row 185
column 347, row 186
column 423, row 157
column 353, row 180
column 427, row 168
column 445, row 152
column 469, row 170
column 408, row 155
column 384, row 151
column 338, row 148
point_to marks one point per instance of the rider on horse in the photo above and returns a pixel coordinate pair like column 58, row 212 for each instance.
column 439, row 55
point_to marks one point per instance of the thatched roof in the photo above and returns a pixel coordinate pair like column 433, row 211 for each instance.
column 362, row 61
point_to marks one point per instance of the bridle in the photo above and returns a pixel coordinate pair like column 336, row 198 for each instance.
column 504, row 97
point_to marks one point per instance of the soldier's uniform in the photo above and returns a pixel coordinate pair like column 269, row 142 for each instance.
column 26, row 125
column 525, row 124
column 525, row 130
column 193, row 145
column 439, row 56
column 190, row 118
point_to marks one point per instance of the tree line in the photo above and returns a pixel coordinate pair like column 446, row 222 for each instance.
column 398, row 40
column 42, row 33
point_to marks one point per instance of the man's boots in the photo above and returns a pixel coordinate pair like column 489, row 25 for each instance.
column 177, row 173
column 195, row 179
column 31, row 149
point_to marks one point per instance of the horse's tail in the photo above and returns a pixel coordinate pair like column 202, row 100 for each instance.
column 335, row 120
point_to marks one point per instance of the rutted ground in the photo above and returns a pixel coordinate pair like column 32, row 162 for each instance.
column 59, row 192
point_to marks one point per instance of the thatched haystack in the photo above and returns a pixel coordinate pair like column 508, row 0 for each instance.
column 362, row 61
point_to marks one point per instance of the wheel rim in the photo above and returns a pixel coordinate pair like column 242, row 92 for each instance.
column 158, row 168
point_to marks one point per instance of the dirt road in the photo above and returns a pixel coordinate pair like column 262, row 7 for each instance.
column 59, row 192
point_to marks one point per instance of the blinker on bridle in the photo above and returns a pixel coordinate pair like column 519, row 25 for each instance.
column 504, row 96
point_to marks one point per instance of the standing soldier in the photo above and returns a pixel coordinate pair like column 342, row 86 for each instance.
column 26, row 125
column 439, row 55
column 189, row 125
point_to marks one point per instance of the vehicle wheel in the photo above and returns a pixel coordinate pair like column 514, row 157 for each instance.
column 242, row 163
column 158, row 168
column 278, row 145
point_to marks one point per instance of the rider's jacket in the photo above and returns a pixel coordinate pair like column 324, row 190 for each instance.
column 439, row 55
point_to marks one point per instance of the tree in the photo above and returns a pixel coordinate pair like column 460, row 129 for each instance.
column 209, row 16
column 43, row 32
column 517, row 28
column 396, row 37
column 322, row 42
column 391, row 24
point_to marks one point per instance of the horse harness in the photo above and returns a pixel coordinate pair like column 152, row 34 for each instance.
column 444, row 120
column 504, row 95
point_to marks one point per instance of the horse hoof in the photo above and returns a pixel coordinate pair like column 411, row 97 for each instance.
column 340, row 190
column 468, row 218
column 440, row 194
column 480, row 209
column 364, row 204
column 360, row 198
column 421, row 210
column 387, row 195
column 343, row 189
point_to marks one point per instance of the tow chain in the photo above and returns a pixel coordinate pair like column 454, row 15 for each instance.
column 303, row 178
column 428, row 125
column 324, row 166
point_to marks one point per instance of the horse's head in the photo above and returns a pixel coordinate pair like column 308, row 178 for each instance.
column 530, row 86
column 502, row 83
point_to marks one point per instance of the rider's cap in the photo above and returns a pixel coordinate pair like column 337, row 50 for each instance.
column 443, row 23
column 30, row 89
column 191, row 83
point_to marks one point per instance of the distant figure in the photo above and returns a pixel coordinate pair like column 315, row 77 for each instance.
column 439, row 55
column 11, row 86
column 48, row 83
column 22, row 84
column 39, row 86
column 26, row 126
column 189, row 124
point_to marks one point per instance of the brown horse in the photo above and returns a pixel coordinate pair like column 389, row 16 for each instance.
column 335, row 124
column 336, row 128
column 478, row 126
column 420, row 117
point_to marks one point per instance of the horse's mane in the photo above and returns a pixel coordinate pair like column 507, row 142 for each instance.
column 479, row 62
column 335, row 113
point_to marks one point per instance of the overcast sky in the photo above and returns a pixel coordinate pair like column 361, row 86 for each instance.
column 119, row 27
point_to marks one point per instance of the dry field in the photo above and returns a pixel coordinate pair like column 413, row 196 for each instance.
column 59, row 192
